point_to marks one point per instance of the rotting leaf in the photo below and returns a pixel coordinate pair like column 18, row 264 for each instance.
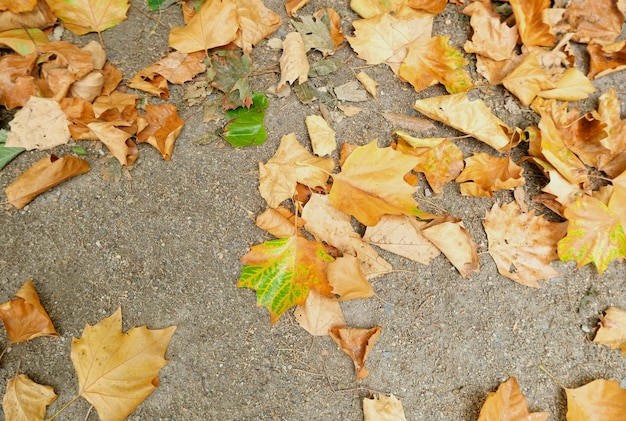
column 612, row 331
column 245, row 127
column 357, row 343
column 25, row 400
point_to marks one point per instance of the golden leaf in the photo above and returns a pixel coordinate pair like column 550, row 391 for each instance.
column 533, row 30
column 84, row 16
column 527, row 79
column 26, row 400
column 347, row 279
column 163, row 128
column 612, row 330
column 488, row 174
column 598, row 400
column 491, row 38
column 451, row 237
column 508, row 404
column 322, row 136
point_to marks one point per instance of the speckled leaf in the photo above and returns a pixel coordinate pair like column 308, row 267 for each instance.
column 283, row 272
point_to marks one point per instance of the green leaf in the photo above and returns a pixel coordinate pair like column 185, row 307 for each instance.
column 246, row 125
column 7, row 154
column 229, row 71
column 283, row 272
column 594, row 234
column 160, row 4
column 79, row 151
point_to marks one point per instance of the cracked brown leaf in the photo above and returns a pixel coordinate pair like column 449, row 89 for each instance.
column 612, row 330
column 508, row 404
column 484, row 174
column 163, row 128
column 599, row 400
column 357, row 343
column 533, row 30
column 522, row 243
column 84, row 16
column 116, row 371
column 26, row 400
column 24, row 317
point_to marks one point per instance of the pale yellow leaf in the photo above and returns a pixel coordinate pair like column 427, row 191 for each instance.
column 319, row 314
column 383, row 408
column 572, row 86
column 612, row 330
column 322, row 136
column 456, row 243
column 294, row 64
column 40, row 124
column 26, row 400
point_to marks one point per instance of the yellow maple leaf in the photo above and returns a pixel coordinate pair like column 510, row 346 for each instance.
column 598, row 400
column 26, row 400
column 84, row 16
column 508, row 403
column 527, row 79
column 489, row 173
column 116, row 371
column 533, row 30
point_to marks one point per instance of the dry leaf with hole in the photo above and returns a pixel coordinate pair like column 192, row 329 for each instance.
column 371, row 184
column 522, row 244
column 333, row 226
column 529, row 18
column 291, row 164
column 484, row 174
column 294, row 63
column 319, row 314
column 383, row 408
column 116, row 371
column 42, row 176
column 347, row 279
column 25, row 400
column 163, row 128
column 149, row 81
column 40, row 124
column 280, row 222
column 357, row 343
column 612, row 331
column 491, row 38
column 401, row 234
column 84, row 16
column 508, row 404
column 451, row 237
column 24, row 317
column 322, row 136
column 600, row 400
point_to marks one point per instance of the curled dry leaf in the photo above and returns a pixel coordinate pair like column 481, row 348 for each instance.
column 116, row 371
column 451, row 237
column 280, row 222
column 408, row 122
column 598, row 400
column 89, row 87
column 612, row 330
column 508, row 403
column 25, row 400
column 322, row 136
column 606, row 59
column 572, row 86
column 163, row 128
column 383, row 408
column 255, row 23
column 40, row 124
column 17, row 85
column 116, row 140
column 527, row 79
column 529, row 18
column 24, row 317
column 368, row 83
column 488, row 174
column 42, row 176
column 294, row 63
column 357, row 343
column 491, row 38
column 319, row 314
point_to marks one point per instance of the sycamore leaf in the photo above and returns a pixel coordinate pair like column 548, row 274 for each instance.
column 322, row 136
column 527, row 79
column 613, row 163
column 594, row 234
column 333, row 226
column 214, row 25
column 451, row 237
column 42, row 176
column 315, row 34
column 347, row 279
column 383, row 408
column 292, row 6
column 40, row 17
column 371, row 184
column 6, row 153
column 117, row 100
column 401, row 234
column 17, row 6
column 572, row 86
column 291, row 164
column 283, row 272
column 17, row 84
column 434, row 60
column 470, row 117
column 612, row 330
column 385, row 38
column 116, row 140
column 599, row 400
column 279, row 222
column 532, row 29
column 293, row 62
column 23, row 41
column 357, row 343
column 594, row 20
column 40, row 124
column 163, row 128
column 116, row 371
column 488, row 174
column 255, row 22
column 522, row 243
column 179, row 67
column 318, row 314
column 24, row 317
column 491, row 38
column 231, row 68
column 26, row 400
column 617, row 202
column 563, row 191
column 606, row 59
column 84, row 16
column 508, row 403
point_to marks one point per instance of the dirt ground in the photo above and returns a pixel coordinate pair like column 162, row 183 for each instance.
column 166, row 247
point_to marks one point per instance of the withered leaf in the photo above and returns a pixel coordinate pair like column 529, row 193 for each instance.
column 84, row 16
column 597, row 400
column 163, row 128
column 26, row 400
column 451, row 237
column 383, row 408
column 528, row 16
column 508, row 403
column 319, row 314
column 294, row 64
column 484, row 174
column 357, row 343
column 347, row 279
column 612, row 330
column 40, row 124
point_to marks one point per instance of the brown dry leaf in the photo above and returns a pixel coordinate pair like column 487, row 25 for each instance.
column 527, row 80
column 294, row 63
column 116, row 101
column 594, row 20
column 40, row 17
column 357, row 343
column 279, row 222
column 385, row 38
column 470, row 117
column 25, row 400
column 42, row 176
column 600, row 400
column 401, row 234
column 347, row 279
column 491, row 38
column 368, row 83
column 24, row 317
column 84, row 16
column 41, row 124
column 214, row 25
column 255, row 23
column 563, row 191
column 408, row 122
column 112, row 77
column 163, row 128
column 522, row 244
column 179, row 68
column 606, row 59
column 116, row 140
column 572, row 86
column 383, row 408
column 149, row 81
column 371, row 184
column 451, row 237
column 292, row 6
column 116, row 371
column 508, row 404
column 488, row 174
column 533, row 30
column 495, row 71
column 612, row 330
column 89, row 87
column 331, row 225
column 62, row 64
column 322, row 136
column 319, row 314
column 291, row 164
column 17, row 85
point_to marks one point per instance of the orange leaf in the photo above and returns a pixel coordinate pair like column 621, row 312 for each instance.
column 116, row 371
column 26, row 400
column 116, row 140
column 84, row 16
column 17, row 84
column 612, row 330
column 488, row 174
column 163, row 128
column 40, row 17
column 451, row 237
column 318, row 314
column 606, row 59
column 24, row 317
column 292, row 6
column 594, row 20
column 347, row 279
column 255, row 22
column 533, row 30
column 42, row 176
column 18, row 6
column 508, row 404
column 491, row 38
column 600, row 400
column 117, row 100
column 357, row 343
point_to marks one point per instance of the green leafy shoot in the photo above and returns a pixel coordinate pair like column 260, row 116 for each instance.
column 245, row 127
column 7, row 154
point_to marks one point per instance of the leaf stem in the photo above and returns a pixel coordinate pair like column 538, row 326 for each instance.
column 63, row 408
column 545, row 370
